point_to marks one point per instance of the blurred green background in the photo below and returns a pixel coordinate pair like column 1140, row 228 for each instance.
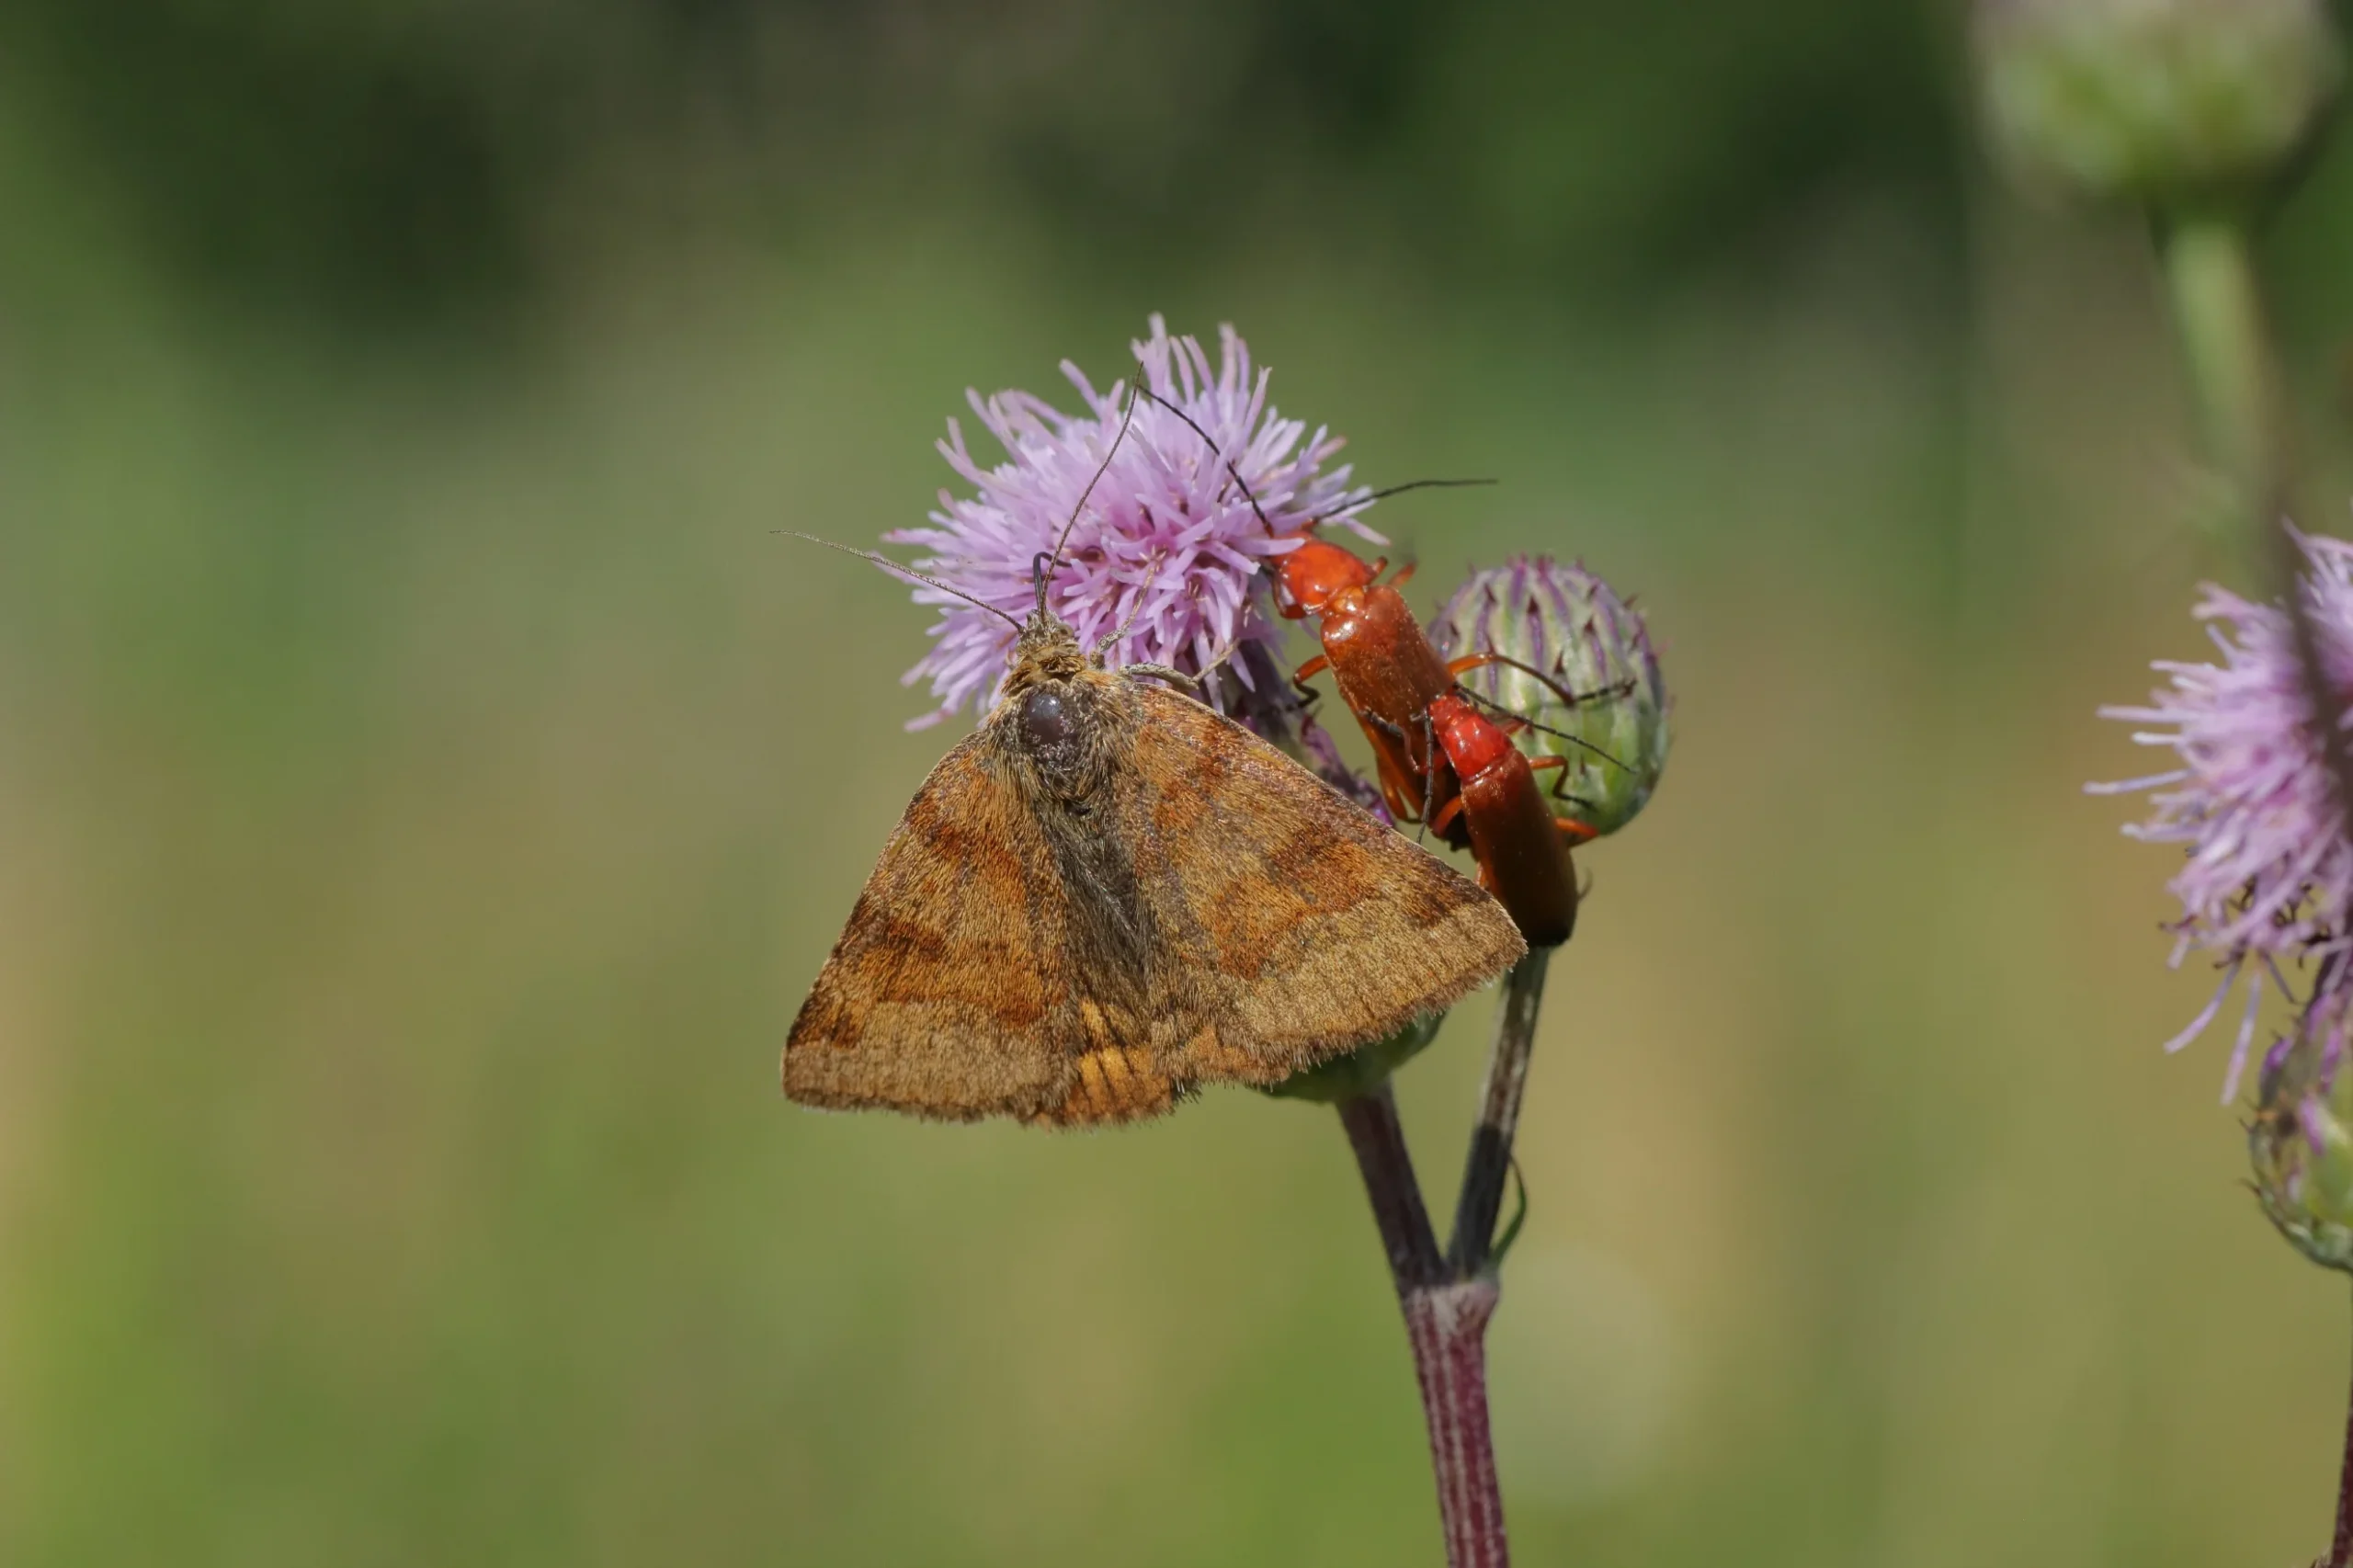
column 428, row 787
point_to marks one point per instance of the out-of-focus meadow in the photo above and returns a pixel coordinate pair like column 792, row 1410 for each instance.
column 429, row 785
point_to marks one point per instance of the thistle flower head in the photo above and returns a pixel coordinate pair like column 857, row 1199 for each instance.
column 1163, row 563
column 1561, row 620
column 2162, row 101
column 2300, row 1138
column 2266, row 876
column 1360, row 1071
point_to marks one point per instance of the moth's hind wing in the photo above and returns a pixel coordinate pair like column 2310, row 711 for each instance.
column 1297, row 924
column 946, row 994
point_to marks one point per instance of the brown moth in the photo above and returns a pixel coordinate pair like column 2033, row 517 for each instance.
column 1110, row 894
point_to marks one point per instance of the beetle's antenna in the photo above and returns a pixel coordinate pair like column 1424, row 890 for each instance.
column 888, row 565
column 1236, row 473
column 1501, row 711
column 1395, row 490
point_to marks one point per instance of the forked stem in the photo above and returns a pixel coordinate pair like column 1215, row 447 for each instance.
column 1445, row 1324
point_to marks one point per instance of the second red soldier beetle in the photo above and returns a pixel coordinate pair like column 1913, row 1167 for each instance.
column 1522, row 848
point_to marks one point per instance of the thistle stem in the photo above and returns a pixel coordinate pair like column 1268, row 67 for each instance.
column 1445, row 1324
column 1379, row 1138
column 1489, row 1163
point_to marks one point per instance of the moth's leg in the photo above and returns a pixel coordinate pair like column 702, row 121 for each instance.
column 1175, row 677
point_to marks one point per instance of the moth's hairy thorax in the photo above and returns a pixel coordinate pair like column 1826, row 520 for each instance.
column 1060, row 733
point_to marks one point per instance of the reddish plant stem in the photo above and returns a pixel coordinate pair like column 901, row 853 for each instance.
column 1445, row 1325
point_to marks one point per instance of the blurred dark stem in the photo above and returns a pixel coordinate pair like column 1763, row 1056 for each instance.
column 1489, row 1163
column 2340, row 1548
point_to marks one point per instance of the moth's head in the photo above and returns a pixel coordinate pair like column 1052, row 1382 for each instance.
column 1047, row 650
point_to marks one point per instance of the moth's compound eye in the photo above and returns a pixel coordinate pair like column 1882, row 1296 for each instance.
column 1043, row 720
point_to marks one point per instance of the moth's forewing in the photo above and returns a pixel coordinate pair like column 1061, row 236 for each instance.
column 986, row 969
column 937, row 996
column 1290, row 920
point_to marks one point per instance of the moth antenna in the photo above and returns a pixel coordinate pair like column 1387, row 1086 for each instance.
column 884, row 561
column 1363, row 501
column 1204, row 434
column 1039, row 565
column 1233, row 646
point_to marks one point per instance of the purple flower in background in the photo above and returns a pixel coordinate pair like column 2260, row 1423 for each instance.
column 1168, row 547
column 2268, row 875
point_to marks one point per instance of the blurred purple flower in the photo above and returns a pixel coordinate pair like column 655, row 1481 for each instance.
column 1168, row 547
column 2269, row 876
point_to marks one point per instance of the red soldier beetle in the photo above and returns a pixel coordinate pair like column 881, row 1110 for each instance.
column 1387, row 671
column 1389, row 674
column 1522, row 848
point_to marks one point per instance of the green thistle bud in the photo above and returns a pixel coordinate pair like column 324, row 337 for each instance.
column 2301, row 1140
column 1569, row 624
column 2163, row 102
column 1361, row 1071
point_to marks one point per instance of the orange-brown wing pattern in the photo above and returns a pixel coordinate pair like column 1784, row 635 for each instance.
column 983, row 970
column 1293, row 925
column 945, row 996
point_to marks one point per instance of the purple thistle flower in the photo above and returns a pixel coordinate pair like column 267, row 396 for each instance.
column 2268, row 875
column 1163, row 566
